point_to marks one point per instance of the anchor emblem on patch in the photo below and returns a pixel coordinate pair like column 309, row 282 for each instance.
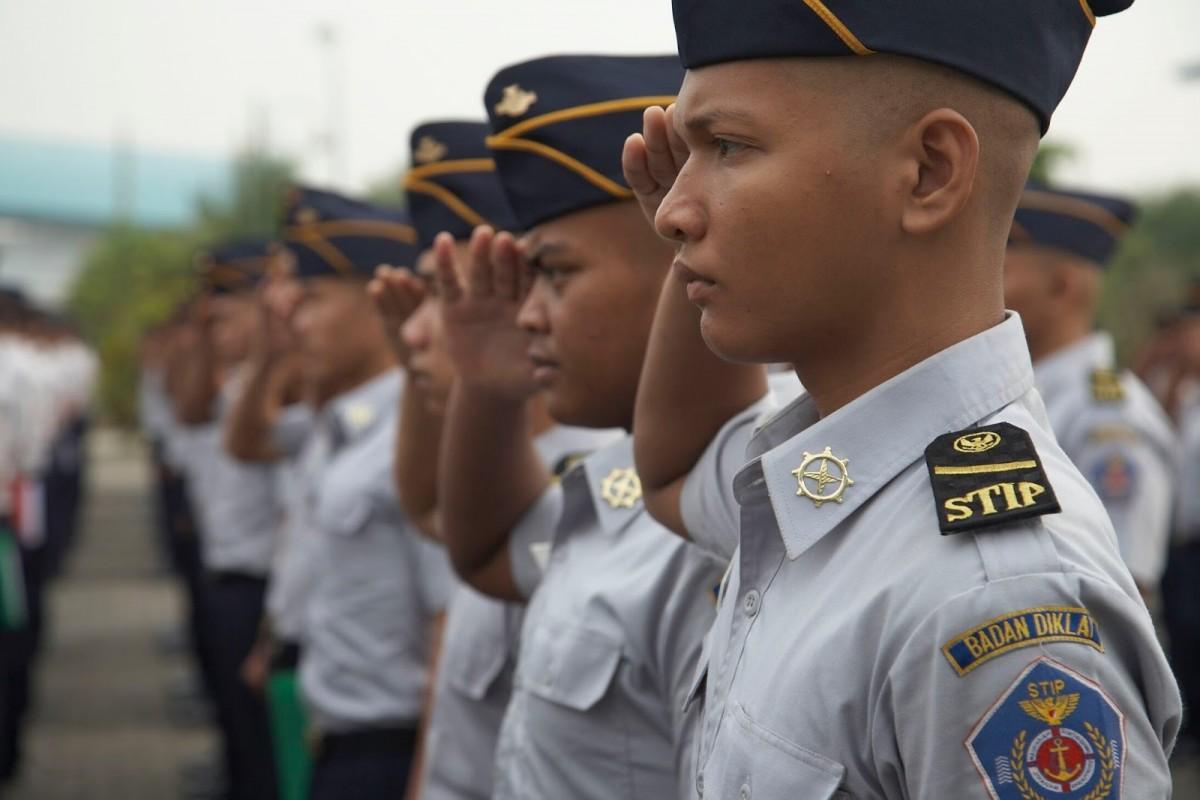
column 1053, row 734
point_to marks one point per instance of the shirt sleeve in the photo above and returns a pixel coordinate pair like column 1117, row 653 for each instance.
column 1045, row 680
column 435, row 577
column 530, row 541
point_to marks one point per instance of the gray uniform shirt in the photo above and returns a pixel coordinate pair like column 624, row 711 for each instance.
column 1121, row 440
column 236, row 503
column 859, row 653
column 610, row 639
column 479, row 654
column 304, row 447
column 376, row 584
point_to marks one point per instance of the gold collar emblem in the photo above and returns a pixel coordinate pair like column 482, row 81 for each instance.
column 622, row 488
column 429, row 150
column 359, row 416
column 832, row 471
column 515, row 101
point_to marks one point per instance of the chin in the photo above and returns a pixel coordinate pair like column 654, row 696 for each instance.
column 736, row 347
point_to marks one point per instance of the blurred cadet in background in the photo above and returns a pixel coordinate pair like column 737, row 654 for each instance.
column 46, row 381
column 377, row 586
column 236, row 504
column 1106, row 420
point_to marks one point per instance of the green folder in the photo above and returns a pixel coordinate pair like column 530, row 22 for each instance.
column 12, row 582
column 289, row 728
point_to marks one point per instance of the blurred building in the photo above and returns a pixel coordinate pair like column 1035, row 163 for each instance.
column 56, row 198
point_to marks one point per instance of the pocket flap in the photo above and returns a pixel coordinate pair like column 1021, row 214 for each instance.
column 578, row 668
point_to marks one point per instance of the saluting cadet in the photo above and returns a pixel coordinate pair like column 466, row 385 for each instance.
column 452, row 187
column 236, row 506
column 1106, row 420
column 617, row 607
column 926, row 598
column 376, row 585
column 1180, row 600
column 272, row 422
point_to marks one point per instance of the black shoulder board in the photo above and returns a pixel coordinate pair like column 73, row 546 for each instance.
column 987, row 476
column 1106, row 386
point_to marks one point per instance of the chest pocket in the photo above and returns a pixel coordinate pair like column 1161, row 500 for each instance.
column 477, row 644
column 753, row 762
column 573, row 668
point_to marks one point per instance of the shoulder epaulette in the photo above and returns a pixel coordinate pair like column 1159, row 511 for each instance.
column 987, row 476
column 1106, row 386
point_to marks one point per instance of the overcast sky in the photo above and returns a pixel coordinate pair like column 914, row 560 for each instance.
column 193, row 76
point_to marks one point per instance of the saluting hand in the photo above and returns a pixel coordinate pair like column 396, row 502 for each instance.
column 480, row 302
column 652, row 159
column 397, row 293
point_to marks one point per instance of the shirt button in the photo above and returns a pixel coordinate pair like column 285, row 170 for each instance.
column 751, row 603
column 700, row 783
column 744, row 794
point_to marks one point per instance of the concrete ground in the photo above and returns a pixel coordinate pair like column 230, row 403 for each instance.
column 102, row 728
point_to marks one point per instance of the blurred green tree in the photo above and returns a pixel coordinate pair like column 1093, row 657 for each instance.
column 135, row 278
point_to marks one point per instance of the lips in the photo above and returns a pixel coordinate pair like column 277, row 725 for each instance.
column 699, row 288
column 544, row 367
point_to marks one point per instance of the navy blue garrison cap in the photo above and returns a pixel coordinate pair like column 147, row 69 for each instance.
column 452, row 185
column 1087, row 225
column 235, row 265
column 332, row 235
column 1029, row 48
column 559, row 125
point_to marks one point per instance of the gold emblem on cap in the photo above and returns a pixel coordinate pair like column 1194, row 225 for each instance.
column 429, row 150
column 832, row 470
column 977, row 442
column 515, row 101
column 622, row 488
column 307, row 216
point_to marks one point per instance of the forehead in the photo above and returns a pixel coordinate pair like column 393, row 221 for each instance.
column 763, row 90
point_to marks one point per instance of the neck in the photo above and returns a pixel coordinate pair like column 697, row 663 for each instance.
column 538, row 415
column 377, row 363
column 1064, row 335
column 880, row 348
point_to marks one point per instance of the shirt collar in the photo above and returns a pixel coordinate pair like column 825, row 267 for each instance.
column 612, row 483
column 881, row 433
column 1064, row 366
column 357, row 412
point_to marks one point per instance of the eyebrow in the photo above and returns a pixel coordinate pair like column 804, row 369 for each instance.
column 543, row 249
column 705, row 120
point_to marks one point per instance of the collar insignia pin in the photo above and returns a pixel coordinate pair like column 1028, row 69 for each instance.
column 622, row 488
column 814, row 483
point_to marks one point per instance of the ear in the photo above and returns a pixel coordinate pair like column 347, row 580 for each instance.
column 944, row 152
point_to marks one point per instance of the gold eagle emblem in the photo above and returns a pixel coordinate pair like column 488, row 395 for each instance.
column 1051, row 710
column 429, row 150
column 515, row 101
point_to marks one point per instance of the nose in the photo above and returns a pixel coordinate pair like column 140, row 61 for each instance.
column 680, row 217
column 533, row 317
